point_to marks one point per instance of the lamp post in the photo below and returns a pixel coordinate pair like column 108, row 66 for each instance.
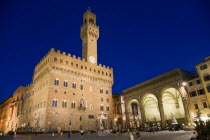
column 185, row 103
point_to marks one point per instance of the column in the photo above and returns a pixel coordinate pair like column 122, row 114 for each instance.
column 187, row 114
column 162, row 115
column 143, row 118
column 127, row 113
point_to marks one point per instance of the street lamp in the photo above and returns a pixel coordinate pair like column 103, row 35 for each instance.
column 184, row 83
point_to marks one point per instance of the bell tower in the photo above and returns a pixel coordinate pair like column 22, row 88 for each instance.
column 89, row 34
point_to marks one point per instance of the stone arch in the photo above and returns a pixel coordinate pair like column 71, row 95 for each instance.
column 133, row 113
column 173, row 107
column 151, row 108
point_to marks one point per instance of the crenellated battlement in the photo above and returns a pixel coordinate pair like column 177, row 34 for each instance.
column 74, row 57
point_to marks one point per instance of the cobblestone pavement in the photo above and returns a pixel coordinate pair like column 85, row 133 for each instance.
column 164, row 135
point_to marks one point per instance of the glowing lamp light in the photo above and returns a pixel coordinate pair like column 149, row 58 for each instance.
column 184, row 83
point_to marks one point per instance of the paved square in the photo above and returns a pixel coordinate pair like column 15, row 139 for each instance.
column 164, row 135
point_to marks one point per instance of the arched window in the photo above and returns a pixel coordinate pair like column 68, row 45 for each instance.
column 55, row 59
column 107, row 99
column 61, row 61
column 66, row 62
column 73, row 104
column 65, row 83
column 74, row 85
column 64, row 104
column 56, row 82
column 81, row 87
column 107, row 91
column 77, row 65
column 81, row 67
column 101, row 90
column 81, row 103
column 72, row 64
column 54, row 103
column 107, row 108
column 102, row 107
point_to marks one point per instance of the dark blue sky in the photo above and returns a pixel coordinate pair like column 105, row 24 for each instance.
column 140, row 39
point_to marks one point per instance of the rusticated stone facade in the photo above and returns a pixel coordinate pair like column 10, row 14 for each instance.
column 67, row 92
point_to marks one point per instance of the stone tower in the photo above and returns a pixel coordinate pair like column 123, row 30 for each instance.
column 89, row 35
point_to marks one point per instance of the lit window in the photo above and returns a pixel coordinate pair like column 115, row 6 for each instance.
column 64, row 104
column 74, row 85
column 65, row 84
column 54, row 103
column 56, row 82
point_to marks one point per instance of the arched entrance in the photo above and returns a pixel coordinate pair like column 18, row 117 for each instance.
column 134, row 114
column 173, row 106
column 152, row 113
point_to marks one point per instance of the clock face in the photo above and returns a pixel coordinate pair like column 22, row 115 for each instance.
column 92, row 59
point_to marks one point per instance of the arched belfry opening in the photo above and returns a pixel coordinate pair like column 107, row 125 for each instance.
column 173, row 106
column 151, row 108
column 134, row 113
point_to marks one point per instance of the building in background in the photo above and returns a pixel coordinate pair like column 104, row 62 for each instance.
column 199, row 90
column 67, row 92
column 5, row 115
column 119, row 111
column 175, row 96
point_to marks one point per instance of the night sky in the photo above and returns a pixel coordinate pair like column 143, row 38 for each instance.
column 140, row 39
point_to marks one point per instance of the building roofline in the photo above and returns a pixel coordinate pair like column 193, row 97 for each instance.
column 152, row 79
column 5, row 100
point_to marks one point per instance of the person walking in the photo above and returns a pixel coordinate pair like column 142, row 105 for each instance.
column 137, row 135
column 69, row 134
column 131, row 136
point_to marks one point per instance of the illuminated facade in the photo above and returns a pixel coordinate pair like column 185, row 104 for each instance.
column 67, row 92
column 172, row 97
